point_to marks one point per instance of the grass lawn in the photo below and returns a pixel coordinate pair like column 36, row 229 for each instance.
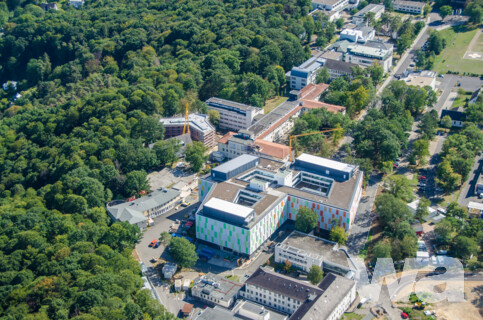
column 274, row 102
column 352, row 316
column 234, row 278
column 461, row 98
column 451, row 59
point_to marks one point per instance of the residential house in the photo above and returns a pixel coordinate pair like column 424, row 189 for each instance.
column 458, row 116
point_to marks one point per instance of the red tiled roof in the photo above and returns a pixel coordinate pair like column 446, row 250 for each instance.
column 279, row 122
column 310, row 104
column 272, row 149
column 225, row 138
column 312, row 91
column 187, row 308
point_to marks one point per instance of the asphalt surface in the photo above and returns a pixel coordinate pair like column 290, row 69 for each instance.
column 362, row 224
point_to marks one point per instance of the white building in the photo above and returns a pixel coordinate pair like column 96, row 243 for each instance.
column 331, row 15
column 358, row 34
column 140, row 210
column 306, row 73
column 370, row 52
column 233, row 145
column 458, row 116
column 414, row 7
column 329, row 300
column 233, row 115
column 216, row 290
column 76, row 3
column 303, row 251
column 330, row 5
column 421, row 79
column 377, row 9
column 243, row 310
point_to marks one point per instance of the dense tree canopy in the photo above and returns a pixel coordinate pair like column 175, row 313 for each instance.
column 94, row 82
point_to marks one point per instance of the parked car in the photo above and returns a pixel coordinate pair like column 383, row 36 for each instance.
column 153, row 243
column 421, row 184
column 156, row 245
column 422, row 178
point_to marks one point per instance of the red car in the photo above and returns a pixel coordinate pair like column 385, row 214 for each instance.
column 404, row 315
column 422, row 178
column 153, row 243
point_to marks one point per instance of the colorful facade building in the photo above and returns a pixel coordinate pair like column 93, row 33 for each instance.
column 245, row 200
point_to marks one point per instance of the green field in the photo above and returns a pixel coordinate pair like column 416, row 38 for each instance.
column 462, row 97
column 451, row 59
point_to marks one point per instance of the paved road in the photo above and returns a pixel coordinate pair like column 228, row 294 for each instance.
column 468, row 190
column 360, row 228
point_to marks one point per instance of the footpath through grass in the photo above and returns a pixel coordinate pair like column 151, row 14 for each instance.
column 451, row 59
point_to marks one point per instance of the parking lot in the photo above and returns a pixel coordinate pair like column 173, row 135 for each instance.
column 168, row 177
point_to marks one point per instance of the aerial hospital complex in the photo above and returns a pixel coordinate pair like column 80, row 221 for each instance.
column 245, row 200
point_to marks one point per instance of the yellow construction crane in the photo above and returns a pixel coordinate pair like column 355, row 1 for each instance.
column 306, row 134
column 186, row 128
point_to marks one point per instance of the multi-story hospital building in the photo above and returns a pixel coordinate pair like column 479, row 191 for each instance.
column 245, row 200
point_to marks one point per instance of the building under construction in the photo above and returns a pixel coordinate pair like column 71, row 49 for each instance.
column 198, row 126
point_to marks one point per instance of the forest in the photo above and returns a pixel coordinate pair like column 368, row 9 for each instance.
column 91, row 84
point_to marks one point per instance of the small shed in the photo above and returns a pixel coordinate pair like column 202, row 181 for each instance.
column 169, row 269
column 186, row 285
column 177, row 285
column 418, row 228
column 187, row 309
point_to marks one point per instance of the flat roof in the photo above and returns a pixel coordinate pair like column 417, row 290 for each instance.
column 243, row 310
column 367, row 51
column 235, row 163
column 419, row 81
column 336, row 165
column 340, row 195
column 311, row 244
column 410, row 3
column 271, row 118
column 228, row 191
column 217, row 286
column 369, row 8
column 229, row 207
column 326, row 2
column 198, row 121
column 215, row 102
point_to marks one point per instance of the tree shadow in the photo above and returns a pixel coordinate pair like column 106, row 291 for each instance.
column 478, row 301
